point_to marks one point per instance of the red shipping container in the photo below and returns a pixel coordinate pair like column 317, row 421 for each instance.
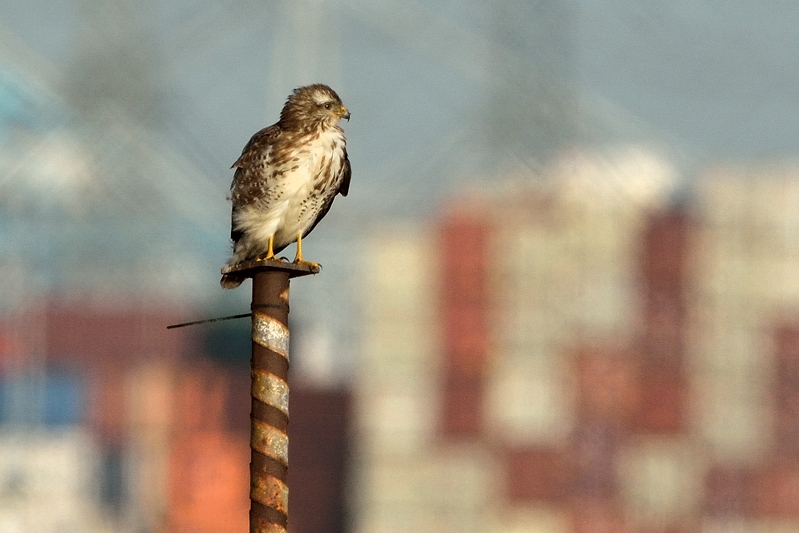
column 786, row 389
column 464, row 286
column 79, row 332
column 464, row 261
column 536, row 474
column 786, row 345
column 664, row 313
column 466, row 339
column 462, row 404
column 463, row 240
column 664, row 253
column 464, row 243
column 150, row 396
column 9, row 350
column 201, row 397
column 598, row 516
column 592, row 456
column 729, row 491
column 608, row 383
column 209, row 483
column 786, row 427
column 777, row 490
column 786, row 395
column 663, row 398
column 664, row 328
column 682, row 528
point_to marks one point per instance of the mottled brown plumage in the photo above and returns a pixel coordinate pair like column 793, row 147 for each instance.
column 287, row 177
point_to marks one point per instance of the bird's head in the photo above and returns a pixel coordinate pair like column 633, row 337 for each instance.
column 311, row 107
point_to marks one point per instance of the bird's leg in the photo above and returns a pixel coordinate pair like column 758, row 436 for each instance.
column 298, row 258
column 270, row 252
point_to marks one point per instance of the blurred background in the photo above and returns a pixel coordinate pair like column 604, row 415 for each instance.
column 562, row 295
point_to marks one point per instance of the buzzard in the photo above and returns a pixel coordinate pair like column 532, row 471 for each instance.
column 287, row 177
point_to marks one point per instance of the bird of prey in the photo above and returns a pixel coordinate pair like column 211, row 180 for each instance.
column 287, row 177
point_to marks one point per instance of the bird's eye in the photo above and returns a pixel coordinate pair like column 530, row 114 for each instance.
column 327, row 105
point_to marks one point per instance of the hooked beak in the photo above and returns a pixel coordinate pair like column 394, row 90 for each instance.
column 345, row 113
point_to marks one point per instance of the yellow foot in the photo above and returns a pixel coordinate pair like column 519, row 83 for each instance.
column 270, row 254
column 298, row 260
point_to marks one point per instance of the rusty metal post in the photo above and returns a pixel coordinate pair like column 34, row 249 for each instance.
column 269, row 415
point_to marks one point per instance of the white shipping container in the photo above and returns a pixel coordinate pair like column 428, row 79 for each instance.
column 729, row 349
column 148, row 462
column 529, row 401
column 740, row 525
column 533, row 519
column 721, row 196
column 526, row 328
column 777, row 282
column 607, row 304
column 401, row 268
column 407, row 342
column 661, row 480
column 48, row 482
column 462, row 479
column 733, row 419
column 397, row 419
column 448, row 491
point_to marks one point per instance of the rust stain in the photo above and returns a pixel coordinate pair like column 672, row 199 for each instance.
column 270, row 492
column 284, row 296
column 270, row 441
column 262, row 526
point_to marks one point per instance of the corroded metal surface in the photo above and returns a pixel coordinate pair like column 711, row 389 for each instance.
column 249, row 269
column 271, row 390
column 246, row 269
column 270, row 492
column 270, row 395
column 269, row 441
column 262, row 526
column 270, row 333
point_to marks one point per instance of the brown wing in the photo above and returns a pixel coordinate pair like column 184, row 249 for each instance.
column 252, row 170
column 343, row 189
column 258, row 145
column 345, row 183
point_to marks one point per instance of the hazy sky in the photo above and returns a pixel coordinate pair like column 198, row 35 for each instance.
column 718, row 77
